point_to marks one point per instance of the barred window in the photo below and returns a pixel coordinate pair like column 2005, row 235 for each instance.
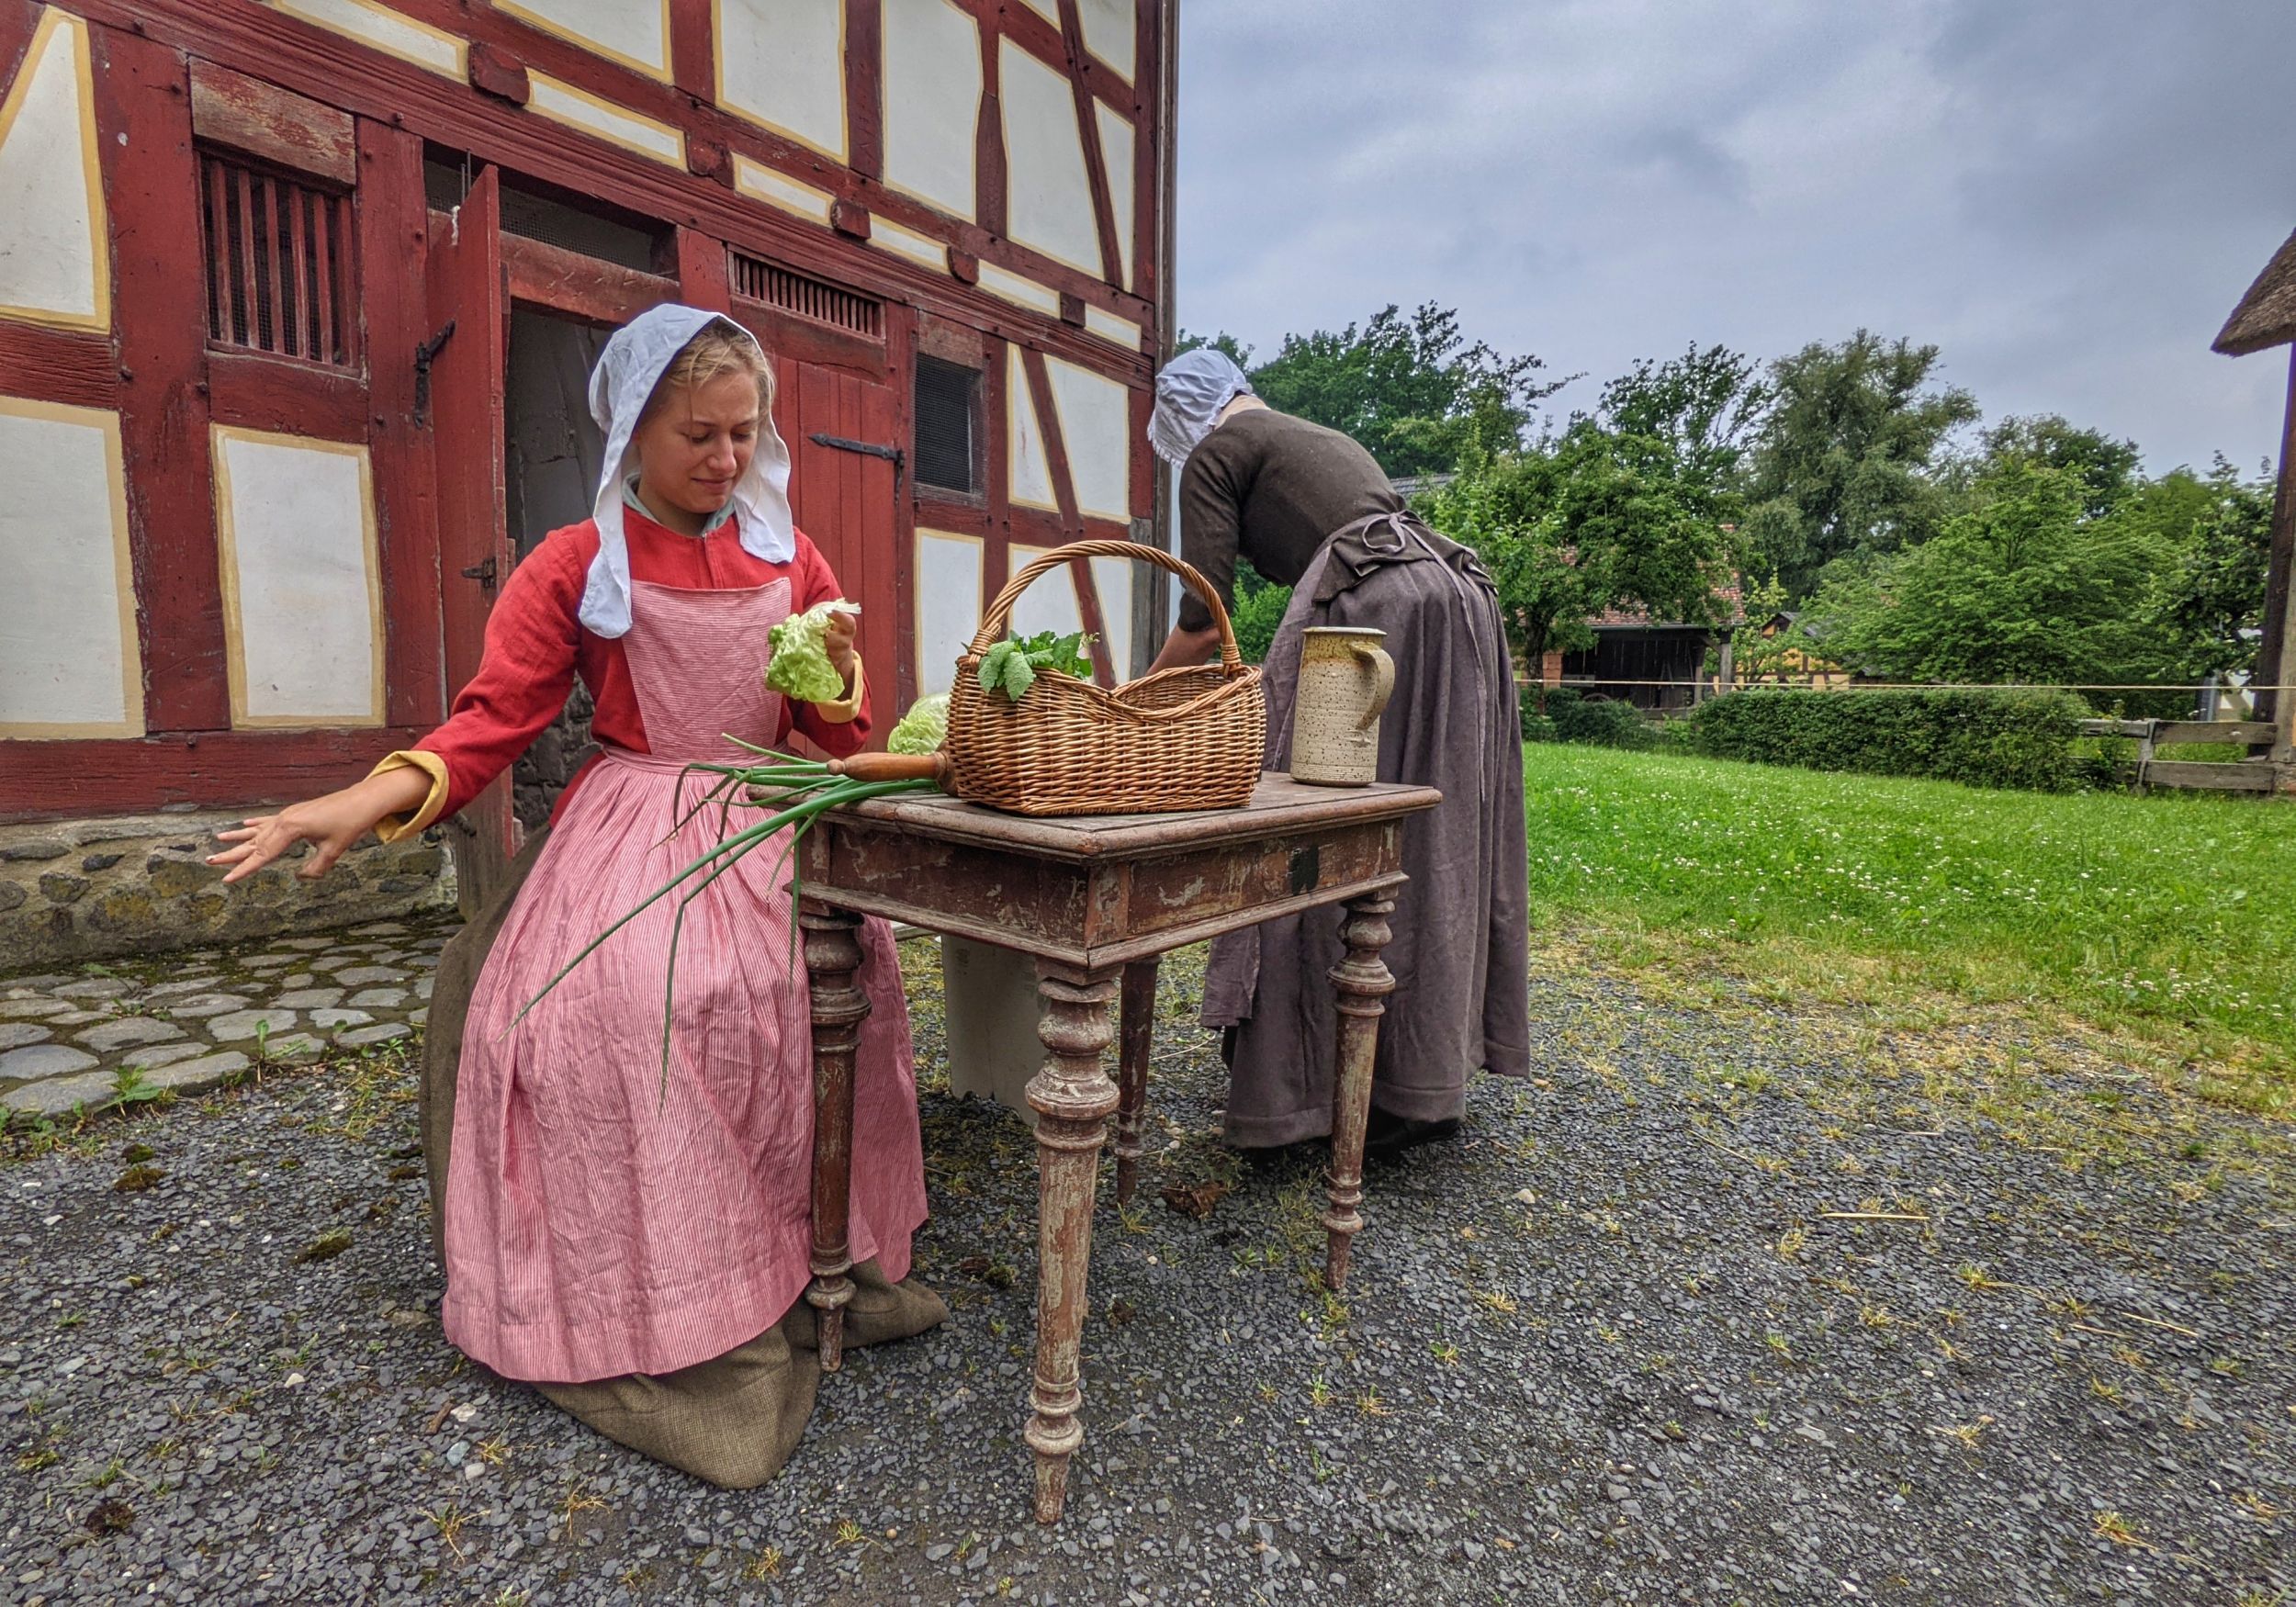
column 281, row 272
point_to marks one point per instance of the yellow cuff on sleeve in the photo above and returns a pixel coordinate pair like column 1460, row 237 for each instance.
column 845, row 710
column 391, row 828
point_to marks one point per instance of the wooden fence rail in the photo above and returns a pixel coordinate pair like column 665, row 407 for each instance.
column 2250, row 775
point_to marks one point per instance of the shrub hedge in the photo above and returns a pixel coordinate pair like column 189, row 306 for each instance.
column 1597, row 723
column 1981, row 738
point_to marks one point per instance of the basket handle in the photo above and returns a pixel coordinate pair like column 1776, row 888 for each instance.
column 997, row 621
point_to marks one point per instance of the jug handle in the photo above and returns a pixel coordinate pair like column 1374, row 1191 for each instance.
column 1383, row 680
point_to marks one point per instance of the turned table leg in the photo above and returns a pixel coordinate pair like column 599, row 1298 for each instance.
column 1071, row 1096
column 1136, row 1033
column 833, row 956
column 1362, row 982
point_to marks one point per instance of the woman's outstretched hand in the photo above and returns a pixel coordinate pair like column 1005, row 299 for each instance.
column 330, row 825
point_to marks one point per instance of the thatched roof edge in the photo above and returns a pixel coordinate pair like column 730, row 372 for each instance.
column 2266, row 315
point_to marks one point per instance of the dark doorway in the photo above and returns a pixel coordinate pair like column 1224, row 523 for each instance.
column 553, row 459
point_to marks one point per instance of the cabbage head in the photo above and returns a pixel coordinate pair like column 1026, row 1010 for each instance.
column 800, row 665
column 923, row 728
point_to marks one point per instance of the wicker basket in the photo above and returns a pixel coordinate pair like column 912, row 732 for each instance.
column 1178, row 739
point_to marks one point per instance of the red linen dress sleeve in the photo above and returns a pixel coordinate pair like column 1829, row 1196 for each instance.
column 838, row 729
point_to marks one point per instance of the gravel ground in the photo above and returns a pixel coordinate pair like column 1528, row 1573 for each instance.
column 1735, row 1303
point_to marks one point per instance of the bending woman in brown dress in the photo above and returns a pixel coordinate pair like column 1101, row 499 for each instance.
column 1310, row 509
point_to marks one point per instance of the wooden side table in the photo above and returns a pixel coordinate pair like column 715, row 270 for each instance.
column 1094, row 900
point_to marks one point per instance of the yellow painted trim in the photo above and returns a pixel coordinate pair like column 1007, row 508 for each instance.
column 921, row 248
column 612, row 112
column 459, row 46
column 1016, row 385
column 227, row 559
column 840, row 154
column 980, row 579
column 123, row 577
column 52, row 21
column 390, row 828
column 534, row 19
column 757, row 190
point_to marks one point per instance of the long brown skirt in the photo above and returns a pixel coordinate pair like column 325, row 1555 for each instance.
column 733, row 1420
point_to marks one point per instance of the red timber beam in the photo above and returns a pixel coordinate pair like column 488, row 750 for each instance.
column 203, row 769
column 299, row 56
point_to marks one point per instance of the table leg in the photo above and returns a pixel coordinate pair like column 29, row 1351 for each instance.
column 1136, row 1032
column 1362, row 982
column 833, row 956
column 1071, row 1096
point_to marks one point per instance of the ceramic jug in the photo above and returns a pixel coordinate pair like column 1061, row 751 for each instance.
column 1345, row 679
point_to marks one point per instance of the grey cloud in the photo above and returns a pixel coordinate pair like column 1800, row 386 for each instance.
column 2068, row 195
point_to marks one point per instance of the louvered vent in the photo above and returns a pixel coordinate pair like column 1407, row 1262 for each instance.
column 803, row 297
column 279, row 262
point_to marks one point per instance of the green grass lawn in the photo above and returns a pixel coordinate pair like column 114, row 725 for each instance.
column 2170, row 918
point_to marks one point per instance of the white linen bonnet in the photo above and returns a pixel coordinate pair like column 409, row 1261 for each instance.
column 632, row 362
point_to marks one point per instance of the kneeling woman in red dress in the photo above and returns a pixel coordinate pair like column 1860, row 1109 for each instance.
column 634, row 1245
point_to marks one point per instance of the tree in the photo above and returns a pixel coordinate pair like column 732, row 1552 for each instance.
column 1498, row 506
column 2019, row 588
column 1842, row 469
column 2106, row 468
column 1704, row 407
column 1411, row 390
column 2209, row 603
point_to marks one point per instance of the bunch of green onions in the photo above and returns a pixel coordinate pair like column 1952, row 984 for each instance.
column 795, row 793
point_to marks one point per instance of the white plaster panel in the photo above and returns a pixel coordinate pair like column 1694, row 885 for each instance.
column 781, row 62
column 949, row 605
column 633, row 32
column 1051, row 603
column 1116, row 151
column 1010, row 286
column 562, row 103
column 776, row 188
column 68, row 658
column 1112, row 31
column 302, row 597
column 1124, row 332
column 921, row 248
column 1114, row 578
column 385, row 29
column 1096, row 427
column 932, row 102
column 54, row 266
column 1030, row 481
column 1047, row 192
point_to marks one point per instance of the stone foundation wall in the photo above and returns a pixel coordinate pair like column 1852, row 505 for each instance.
column 77, row 889
column 544, row 770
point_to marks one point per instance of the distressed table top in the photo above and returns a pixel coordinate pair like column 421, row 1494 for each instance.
column 1097, row 891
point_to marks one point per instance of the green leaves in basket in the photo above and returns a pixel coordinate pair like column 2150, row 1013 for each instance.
column 1010, row 667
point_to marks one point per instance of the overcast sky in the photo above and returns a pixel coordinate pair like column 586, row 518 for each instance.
column 2066, row 196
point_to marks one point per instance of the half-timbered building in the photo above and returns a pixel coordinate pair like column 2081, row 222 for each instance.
column 297, row 299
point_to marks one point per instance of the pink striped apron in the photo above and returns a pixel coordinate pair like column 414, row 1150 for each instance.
column 599, row 1223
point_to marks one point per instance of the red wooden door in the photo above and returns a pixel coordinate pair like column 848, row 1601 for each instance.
column 466, row 288
column 847, row 499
